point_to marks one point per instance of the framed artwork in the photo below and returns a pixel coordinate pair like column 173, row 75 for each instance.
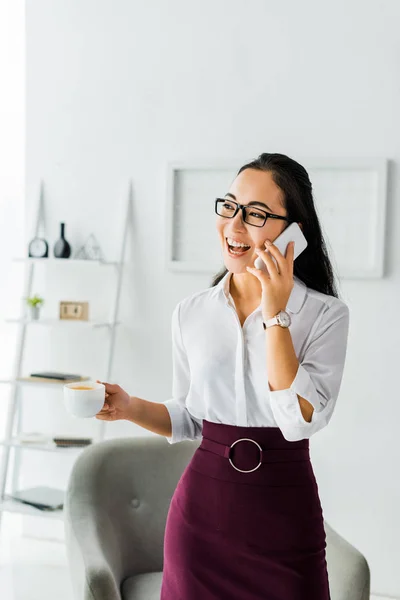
column 350, row 196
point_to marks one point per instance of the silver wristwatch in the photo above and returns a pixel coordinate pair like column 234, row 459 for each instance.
column 282, row 318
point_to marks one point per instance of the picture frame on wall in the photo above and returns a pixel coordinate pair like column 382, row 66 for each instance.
column 350, row 196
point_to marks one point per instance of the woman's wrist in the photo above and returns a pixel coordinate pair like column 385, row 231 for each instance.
column 133, row 409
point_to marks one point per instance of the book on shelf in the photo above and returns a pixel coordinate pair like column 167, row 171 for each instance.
column 70, row 442
column 60, row 441
column 54, row 377
column 44, row 498
column 32, row 438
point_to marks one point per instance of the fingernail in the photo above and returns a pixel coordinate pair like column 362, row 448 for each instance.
column 257, row 250
column 268, row 242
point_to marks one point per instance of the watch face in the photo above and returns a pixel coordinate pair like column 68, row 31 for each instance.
column 38, row 248
column 284, row 318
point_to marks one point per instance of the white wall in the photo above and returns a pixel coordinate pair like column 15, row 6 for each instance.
column 116, row 89
column 12, row 175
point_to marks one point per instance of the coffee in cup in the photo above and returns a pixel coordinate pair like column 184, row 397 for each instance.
column 84, row 400
column 83, row 387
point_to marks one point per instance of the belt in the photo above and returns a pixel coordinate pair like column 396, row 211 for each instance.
column 281, row 454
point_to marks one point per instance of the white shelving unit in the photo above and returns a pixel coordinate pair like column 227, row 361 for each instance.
column 10, row 442
column 62, row 323
column 42, row 447
column 50, row 260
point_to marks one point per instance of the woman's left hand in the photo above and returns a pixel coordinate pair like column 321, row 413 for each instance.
column 278, row 284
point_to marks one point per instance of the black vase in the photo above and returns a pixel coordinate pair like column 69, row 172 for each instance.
column 61, row 248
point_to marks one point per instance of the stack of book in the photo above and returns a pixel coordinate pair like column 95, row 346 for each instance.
column 72, row 442
column 43, row 498
column 31, row 438
column 54, row 377
column 60, row 441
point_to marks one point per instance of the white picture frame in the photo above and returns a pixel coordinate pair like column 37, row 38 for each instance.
column 350, row 195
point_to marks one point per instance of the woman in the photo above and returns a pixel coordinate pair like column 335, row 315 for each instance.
column 245, row 521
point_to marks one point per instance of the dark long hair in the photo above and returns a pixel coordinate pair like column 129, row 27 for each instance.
column 313, row 265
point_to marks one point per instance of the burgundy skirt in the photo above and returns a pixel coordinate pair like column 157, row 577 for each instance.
column 245, row 521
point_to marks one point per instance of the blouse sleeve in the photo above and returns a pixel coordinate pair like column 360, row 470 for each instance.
column 318, row 377
column 184, row 425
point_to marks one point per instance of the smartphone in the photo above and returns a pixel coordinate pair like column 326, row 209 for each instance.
column 292, row 233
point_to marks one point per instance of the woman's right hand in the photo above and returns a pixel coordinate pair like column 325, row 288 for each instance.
column 116, row 404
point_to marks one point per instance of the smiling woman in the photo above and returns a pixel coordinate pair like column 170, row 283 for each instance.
column 284, row 191
column 268, row 388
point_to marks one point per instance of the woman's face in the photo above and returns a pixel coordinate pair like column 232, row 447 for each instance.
column 251, row 186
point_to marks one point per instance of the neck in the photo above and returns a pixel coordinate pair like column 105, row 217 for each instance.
column 246, row 288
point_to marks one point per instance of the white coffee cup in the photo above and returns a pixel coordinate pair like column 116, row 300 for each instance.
column 84, row 402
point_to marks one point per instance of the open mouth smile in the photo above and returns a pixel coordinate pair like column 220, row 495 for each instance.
column 236, row 252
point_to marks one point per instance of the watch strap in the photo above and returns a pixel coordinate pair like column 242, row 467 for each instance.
column 282, row 318
column 271, row 322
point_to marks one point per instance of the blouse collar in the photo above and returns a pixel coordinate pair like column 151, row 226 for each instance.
column 296, row 298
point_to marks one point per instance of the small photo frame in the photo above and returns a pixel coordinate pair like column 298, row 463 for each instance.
column 74, row 311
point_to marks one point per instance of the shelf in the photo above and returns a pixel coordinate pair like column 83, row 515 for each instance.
column 62, row 322
column 40, row 382
column 14, row 506
column 102, row 263
column 45, row 447
column 13, row 441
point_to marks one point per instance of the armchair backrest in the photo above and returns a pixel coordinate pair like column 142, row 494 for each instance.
column 118, row 497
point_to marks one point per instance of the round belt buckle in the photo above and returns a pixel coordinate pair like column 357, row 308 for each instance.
column 245, row 440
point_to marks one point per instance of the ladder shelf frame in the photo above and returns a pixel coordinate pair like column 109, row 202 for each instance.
column 14, row 414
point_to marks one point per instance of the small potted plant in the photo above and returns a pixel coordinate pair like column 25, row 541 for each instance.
column 35, row 302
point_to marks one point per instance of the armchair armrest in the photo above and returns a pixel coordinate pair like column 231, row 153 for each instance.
column 92, row 550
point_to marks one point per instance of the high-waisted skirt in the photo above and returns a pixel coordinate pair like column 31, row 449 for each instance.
column 254, row 535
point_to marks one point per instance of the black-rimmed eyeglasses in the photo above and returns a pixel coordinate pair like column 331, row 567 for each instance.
column 251, row 214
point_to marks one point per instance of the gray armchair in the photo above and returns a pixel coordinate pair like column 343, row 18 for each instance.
column 115, row 512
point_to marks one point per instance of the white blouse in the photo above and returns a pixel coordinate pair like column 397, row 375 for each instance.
column 220, row 369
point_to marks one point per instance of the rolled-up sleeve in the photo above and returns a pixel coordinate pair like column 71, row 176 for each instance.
column 318, row 377
column 184, row 425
